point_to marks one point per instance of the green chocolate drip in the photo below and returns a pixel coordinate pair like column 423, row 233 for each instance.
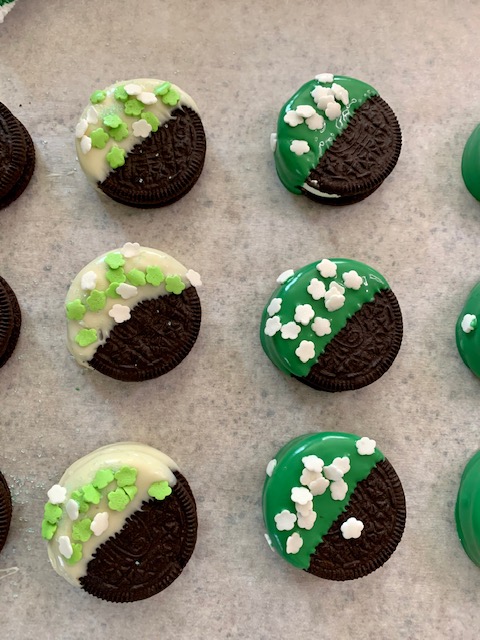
column 293, row 170
column 467, row 509
column 468, row 344
column 471, row 163
column 294, row 292
column 286, row 475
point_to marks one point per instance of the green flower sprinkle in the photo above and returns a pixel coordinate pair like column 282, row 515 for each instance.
column 121, row 94
column 162, row 89
column 97, row 96
column 48, row 530
column 131, row 491
column 102, row 478
column 112, row 290
column 117, row 500
column 114, row 260
column 154, row 276
column 99, row 138
column 76, row 555
column 174, row 284
column 75, row 309
column 133, row 107
column 116, row 276
column 96, row 300
column 136, row 277
column 171, row 98
column 52, row 513
column 85, row 337
column 90, row 494
column 116, row 157
column 152, row 119
column 120, row 132
column 159, row 490
column 83, row 506
column 112, row 120
column 126, row 476
column 81, row 531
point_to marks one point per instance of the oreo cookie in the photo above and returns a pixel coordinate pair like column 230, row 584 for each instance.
column 133, row 313
column 141, row 142
column 336, row 140
column 333, row 505
column 467, row 509
column 5, row 510
column 10, row 321
column 17, row 157
column 121, row 523
column 335, row 325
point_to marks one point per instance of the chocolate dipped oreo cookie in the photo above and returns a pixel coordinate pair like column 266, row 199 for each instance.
column 121, row 523
column 10, row 321
column 133, row 313
column 141, row 142
column 17, row 157
column 467, row 332
column 334, row 325
column 333, row 505
column 336, row 140
column 467, row 509
column 5, row 510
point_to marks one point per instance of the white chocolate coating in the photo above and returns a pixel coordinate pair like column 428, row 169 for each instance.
column 152, row 466
column 94, row 163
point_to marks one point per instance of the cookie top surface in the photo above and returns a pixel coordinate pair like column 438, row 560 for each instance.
column 467, row 331
column 96, row 498
column 311, row 120
column 5, row 510
column 10, row 321
column 467, row 509
column 121, row 116
column 105, row 293
column 309, row 485
column 311, row 306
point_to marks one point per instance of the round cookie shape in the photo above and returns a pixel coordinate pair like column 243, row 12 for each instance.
column 334, row 325
column 121, row 523
column 133, row 313
column 17, row 157
column 141, row 142
column 10, row 321
column 471, row 163
column 5, row 510
column 467, row 333
column 336, row 140
column 467, row 509
column 333, row 505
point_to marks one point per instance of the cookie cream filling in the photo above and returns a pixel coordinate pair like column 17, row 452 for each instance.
column 316, row 192
column 151, row 466
column 97, row 118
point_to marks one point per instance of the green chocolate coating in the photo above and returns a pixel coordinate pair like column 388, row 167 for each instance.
column 293, row 170
column 471, row 163
column 286, row 475
column 468, row 344
column 467, row 509
column 294, row 292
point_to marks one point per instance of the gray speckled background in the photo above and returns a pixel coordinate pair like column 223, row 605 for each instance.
column 226, row 410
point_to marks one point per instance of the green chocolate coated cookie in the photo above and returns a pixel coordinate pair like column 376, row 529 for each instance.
column 467, row 509
column 467, row 332
column 471, row 163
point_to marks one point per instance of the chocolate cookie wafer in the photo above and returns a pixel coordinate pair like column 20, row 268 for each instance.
column 17, row 157
column 335, row 325
column 5, row 510
column 333, row 505
column 336, row 140
column 10, row 321
column 121, row 523
column 133, row 313
column 142, row 142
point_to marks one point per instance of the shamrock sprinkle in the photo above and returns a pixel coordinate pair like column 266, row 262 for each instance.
column 131, row 491
column 126, row 476
column 83, row 506
column 159, row 490
column 112, row 290
column 151, row 118
column 52, row 513
column 112, row 120
column 120, row 132
column 81, row 530
column 154, row 276
column 136, row 277
column 121, row 94
column 162, row 89
column 174, row 284
column 133, row 107
column 48, row 530
column 114, row 260
column 85, row 337
column 116, row 275
column 116, row 157
column 97, row 96
column 171, row 98
column 117, row 500
column 96, row 300
column 75, row 309
column 102, row 478
column 76, row 553
column 90, row 494
column 99, row 138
